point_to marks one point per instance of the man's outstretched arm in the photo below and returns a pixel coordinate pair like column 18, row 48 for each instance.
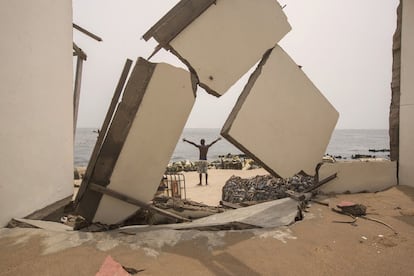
column 192, row 143
column 215, row 141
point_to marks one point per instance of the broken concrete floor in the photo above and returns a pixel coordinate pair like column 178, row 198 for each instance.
column 315, row 246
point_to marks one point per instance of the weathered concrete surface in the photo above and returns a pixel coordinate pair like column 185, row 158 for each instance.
column 225, row 41
column 160, row 119
column 275, row 213
column 36, row 160
column 317, row 244
column 281, row 119
column 356, row 176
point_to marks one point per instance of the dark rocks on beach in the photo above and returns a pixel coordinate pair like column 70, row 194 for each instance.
column 225, row 162
column 263, row 188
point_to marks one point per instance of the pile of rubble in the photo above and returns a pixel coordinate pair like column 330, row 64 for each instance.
column 263, row 188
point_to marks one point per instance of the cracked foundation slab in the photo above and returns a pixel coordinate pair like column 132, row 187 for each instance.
column 281, row 119
column 221, row 41
column 156, row 103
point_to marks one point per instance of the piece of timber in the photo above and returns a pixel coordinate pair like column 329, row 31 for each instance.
column 78, row 51
column 320, row 183
column 104, row 129
column 76, row 91
column 134, row 201
column 86, row 32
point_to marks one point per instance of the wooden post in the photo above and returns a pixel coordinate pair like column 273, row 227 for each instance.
column 76, row 92
column 104, row 129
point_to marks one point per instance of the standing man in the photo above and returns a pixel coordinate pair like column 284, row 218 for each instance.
column 202, row 164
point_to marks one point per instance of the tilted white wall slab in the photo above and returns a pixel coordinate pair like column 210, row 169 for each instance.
column 36, row 117
column 281, row 119
column 406, row 164
column 225, row 41
column 359, row 176
column 154, row 133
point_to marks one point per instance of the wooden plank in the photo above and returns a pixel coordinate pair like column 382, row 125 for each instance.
column 116, row 136
column 320, row 183
column 76, row 91
column 86, row 32
column 104, row 129
column 134, row 201
column 176, row 20
column 79, row 52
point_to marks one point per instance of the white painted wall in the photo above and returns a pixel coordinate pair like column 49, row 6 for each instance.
column 224, row 42
column 406, row 164
column 358, row 176
column 36, row 149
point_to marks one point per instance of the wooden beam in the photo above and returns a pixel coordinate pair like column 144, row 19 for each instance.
column 133, row 201
column 86, row 32
column 76, row 92
column 320, row 183
column 104, row 129
column 78, row 51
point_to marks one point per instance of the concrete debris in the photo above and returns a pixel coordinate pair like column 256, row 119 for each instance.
column 263, row 188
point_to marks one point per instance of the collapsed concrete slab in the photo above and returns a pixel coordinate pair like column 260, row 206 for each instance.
column 220, row 42
column 269, row 214
column 145, row 128
column 359, row 176
column 281, row 119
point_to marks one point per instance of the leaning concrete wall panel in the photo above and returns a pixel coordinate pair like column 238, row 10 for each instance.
column 359, row 176
column 227, row 39
column 155, row 130
column 281, row 119
column 36, row 134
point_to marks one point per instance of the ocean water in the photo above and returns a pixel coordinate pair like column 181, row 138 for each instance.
column 344, row 143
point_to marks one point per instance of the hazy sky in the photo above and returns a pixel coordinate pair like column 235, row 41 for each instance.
column 344, row 46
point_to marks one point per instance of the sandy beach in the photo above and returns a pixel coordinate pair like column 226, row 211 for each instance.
column 315, row 246
column 211, row 194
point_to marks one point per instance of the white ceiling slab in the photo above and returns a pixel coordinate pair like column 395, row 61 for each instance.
column 225, row 40
column 164, row 105
column 281, row 119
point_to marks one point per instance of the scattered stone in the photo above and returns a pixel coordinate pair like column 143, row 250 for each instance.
column 263, row 188
column 352, row 208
